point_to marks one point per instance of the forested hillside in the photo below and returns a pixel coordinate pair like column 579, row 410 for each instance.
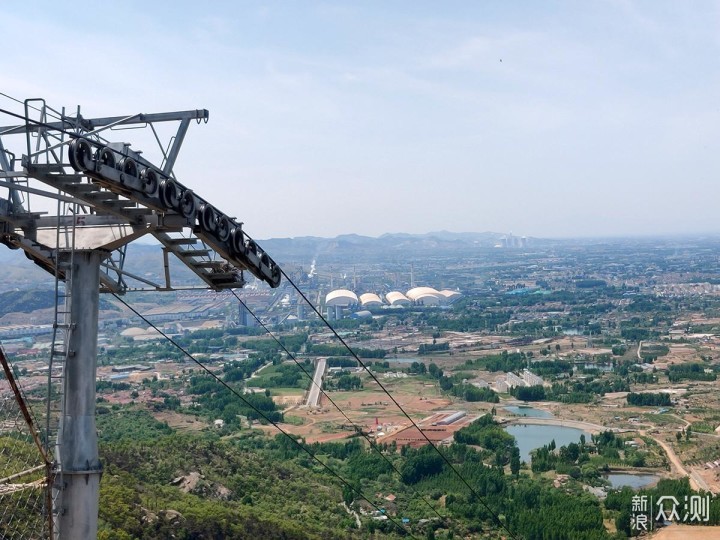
column 201, row 485
column 160, row 483
column 26, row 301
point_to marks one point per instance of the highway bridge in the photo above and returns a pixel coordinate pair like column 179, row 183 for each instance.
column 313, row 395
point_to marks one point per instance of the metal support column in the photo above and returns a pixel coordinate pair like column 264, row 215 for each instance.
column 122, row 196
column 14, row 196
column 79, row 477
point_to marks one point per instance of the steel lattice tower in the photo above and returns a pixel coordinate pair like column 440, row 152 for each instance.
column 107, row 195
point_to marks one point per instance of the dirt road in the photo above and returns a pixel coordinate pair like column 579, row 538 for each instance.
column 686, row 532
column 696, row 482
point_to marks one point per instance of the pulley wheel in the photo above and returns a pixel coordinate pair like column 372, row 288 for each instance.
column 149, row 182
column 106, row 157
column 207, row 218
column 129, row 167
column 187, row 204
column 79, row 151
column 237, row 241
column 223, row 228
column 169, row 194
column 276, row 274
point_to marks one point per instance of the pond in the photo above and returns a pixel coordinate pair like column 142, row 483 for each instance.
column 606, row 368
column 635, row 481
column 529, row 437
column 571, row 332
column 530, row 412
column 403, row 360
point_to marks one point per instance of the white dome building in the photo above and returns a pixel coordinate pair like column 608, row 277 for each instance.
column 341, row 297
column 450, row 296
column 426, row 296
column 396, row 298
column 370, row 300
column 134, row 331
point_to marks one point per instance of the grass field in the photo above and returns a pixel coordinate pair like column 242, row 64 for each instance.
column 287, row 391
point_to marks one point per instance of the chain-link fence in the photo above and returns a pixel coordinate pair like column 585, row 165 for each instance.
column 23, row 473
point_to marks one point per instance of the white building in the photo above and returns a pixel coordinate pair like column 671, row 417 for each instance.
column 370, row 300
column 531, row 379
column 396, row 298
column 426, row 296
column 501, row 385
column 513, row 380
column 341, row 297
column 450, row 296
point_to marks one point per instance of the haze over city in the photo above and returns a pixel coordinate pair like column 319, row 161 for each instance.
column 431, row 270
column 555, row 119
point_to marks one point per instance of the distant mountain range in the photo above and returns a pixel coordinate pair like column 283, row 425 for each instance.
column 146, row 259
column 353, row 245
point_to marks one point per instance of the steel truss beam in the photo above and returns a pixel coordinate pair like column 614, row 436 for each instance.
column 115, row 183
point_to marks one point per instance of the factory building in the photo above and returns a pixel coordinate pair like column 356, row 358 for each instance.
column 513, row 380
column 501, row 384
column 454, row 417
column 370, row 300
column 334, row 313
column 425, row 296
column 421, row 296
column 341, row 297
column 504, row 383
column 531, row 379
column 244, row 317
column 396, row 298
column 450, row 296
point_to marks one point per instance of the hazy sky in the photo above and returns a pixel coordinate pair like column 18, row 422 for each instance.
column 540, row 118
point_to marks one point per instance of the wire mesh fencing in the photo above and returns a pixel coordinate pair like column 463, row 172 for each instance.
column 23, row 474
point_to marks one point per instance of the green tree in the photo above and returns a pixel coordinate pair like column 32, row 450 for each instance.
column 515, row 461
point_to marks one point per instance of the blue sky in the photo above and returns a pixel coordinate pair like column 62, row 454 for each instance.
column 541, row 118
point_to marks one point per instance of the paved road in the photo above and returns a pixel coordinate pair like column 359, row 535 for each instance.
column 313, row 399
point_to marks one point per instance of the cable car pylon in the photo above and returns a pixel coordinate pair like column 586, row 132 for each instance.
column 108, row 195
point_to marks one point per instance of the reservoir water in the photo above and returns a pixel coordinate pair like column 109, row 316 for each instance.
column 530, row 412
column 529, row 437
column 635, row 481
column 404, row 360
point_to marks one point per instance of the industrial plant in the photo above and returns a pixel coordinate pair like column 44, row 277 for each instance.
column 341, row 302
